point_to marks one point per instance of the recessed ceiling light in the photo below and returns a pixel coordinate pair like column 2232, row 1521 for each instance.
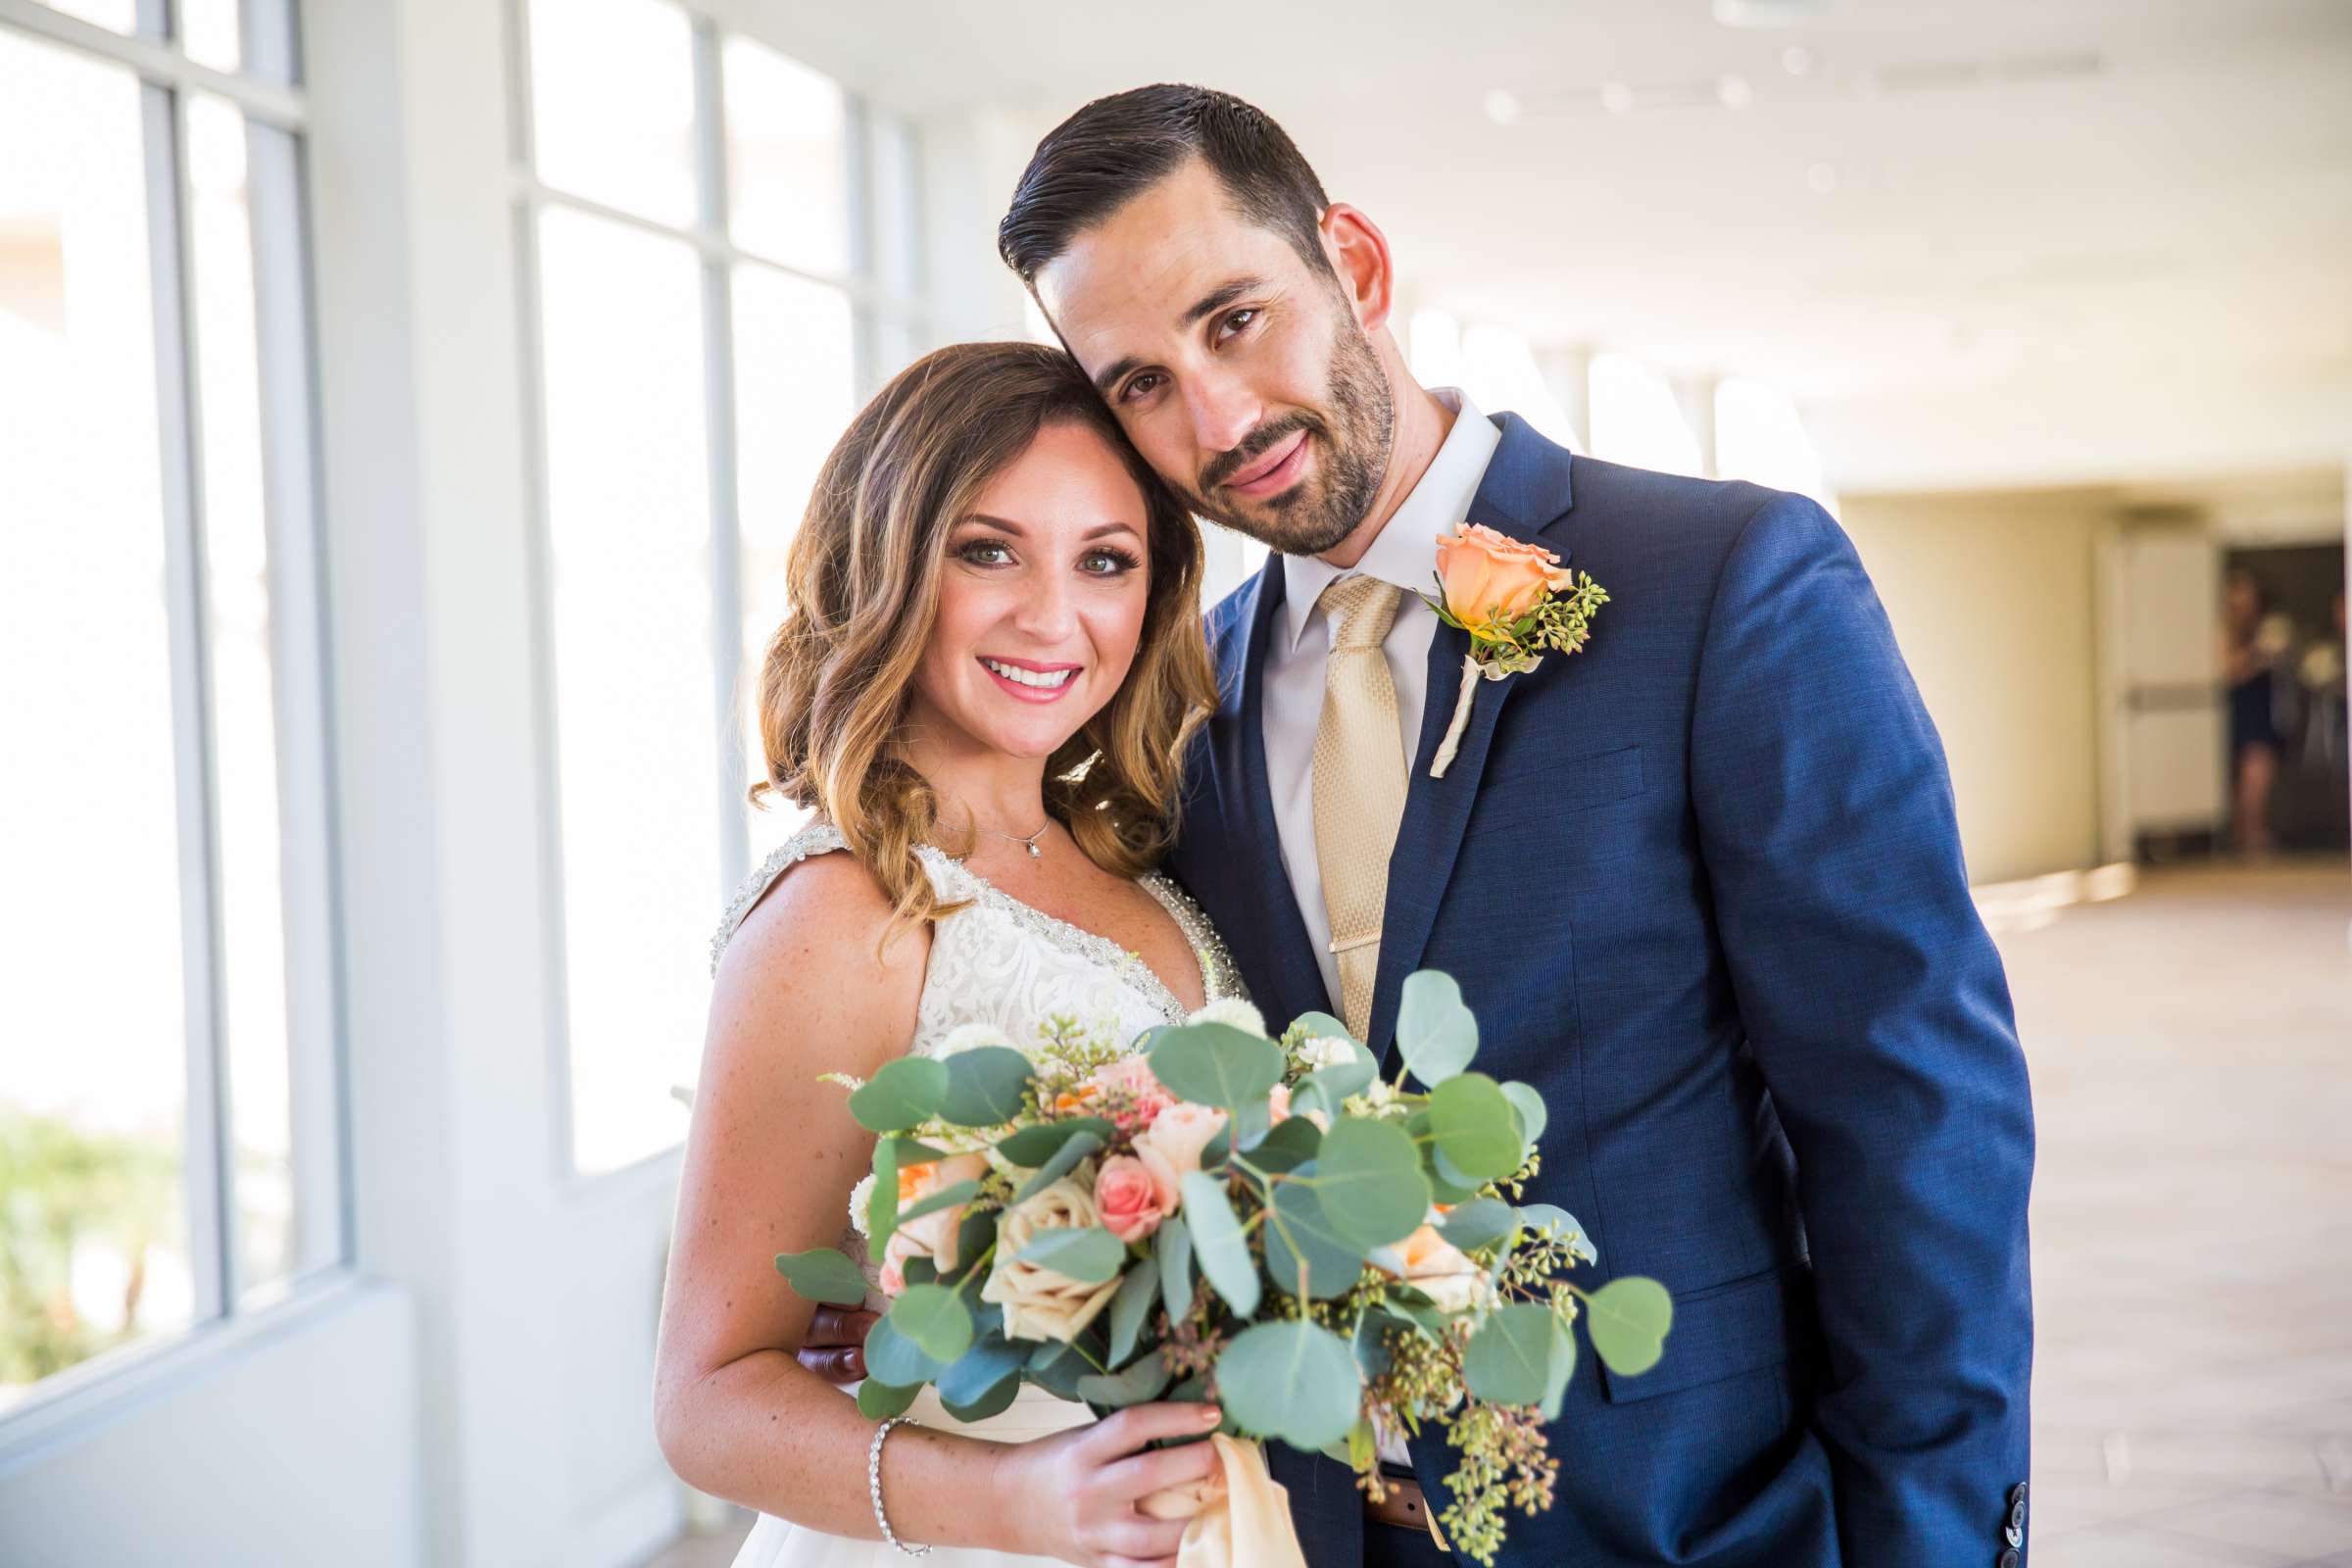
column 1796, row 60
column 1616, row 97
column 1771, row 13
column 1734, row 92
column 1503, row 106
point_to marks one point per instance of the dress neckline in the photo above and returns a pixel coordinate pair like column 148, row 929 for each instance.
column 1128, row 966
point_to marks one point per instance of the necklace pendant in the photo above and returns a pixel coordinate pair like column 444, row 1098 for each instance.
column 1036, row 854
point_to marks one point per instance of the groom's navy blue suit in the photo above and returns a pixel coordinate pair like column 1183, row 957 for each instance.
column 1701, row 885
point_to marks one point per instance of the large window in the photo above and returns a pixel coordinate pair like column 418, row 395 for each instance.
column 168, row 1149
column 722, row 245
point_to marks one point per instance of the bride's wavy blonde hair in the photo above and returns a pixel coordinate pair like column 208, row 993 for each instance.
column 862, row 585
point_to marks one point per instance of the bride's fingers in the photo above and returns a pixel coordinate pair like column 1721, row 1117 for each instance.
column 1140, row 1475
column 1139, row 1536
column 1139, row 1424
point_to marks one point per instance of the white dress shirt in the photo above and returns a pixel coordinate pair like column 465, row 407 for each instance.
column 1405, row 552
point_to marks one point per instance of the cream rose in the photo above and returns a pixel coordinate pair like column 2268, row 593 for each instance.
column 971, row 1037
column 1042, row 1304
column 1170, row 1147
column 1233, row 1012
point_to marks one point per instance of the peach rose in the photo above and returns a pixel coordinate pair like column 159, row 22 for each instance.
column 1491, row 579
column 1128, row 1198
column 1170, row 1147
column 933, row 1235
column 1279, row 1105
column 1441, row 1270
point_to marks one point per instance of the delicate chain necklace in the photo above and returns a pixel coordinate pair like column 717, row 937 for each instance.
column 1029, row 843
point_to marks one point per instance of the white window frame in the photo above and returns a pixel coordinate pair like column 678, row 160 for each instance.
column 873, row 309
column 268, row 92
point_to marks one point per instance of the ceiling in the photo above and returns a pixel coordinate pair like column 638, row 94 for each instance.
column 2013, row 241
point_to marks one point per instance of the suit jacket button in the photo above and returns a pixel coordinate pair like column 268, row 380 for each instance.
column 2009, row 1559
column 2017, row 1495
column 2013, row 1536
column 2017, row 1514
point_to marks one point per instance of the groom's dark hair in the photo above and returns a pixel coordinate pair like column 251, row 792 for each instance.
column 1109, row 152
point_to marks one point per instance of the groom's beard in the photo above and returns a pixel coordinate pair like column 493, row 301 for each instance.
column 1352, row 450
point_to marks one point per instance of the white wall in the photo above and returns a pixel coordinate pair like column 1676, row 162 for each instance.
column 1993, row 601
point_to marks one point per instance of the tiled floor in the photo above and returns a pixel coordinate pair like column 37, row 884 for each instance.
column 2191, row 1050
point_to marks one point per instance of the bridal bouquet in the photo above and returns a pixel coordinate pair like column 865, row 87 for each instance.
column 1215, row 1214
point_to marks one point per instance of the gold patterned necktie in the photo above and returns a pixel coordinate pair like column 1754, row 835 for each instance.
column 1358, row 781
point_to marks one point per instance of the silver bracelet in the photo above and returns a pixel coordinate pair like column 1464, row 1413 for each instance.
column 873, row 1485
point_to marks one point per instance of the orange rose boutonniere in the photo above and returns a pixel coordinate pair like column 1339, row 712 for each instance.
column 1515, row 601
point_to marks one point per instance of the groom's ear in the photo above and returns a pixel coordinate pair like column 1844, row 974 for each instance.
column 1359, row 255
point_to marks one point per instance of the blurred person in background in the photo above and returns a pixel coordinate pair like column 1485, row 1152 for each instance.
column 2249, row 670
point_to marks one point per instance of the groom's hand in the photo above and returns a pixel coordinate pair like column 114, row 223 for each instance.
column 835, row 1345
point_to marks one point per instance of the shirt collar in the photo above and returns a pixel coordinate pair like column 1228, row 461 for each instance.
column 1405, row 550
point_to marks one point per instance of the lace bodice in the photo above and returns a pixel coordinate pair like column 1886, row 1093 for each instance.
column 999, row 962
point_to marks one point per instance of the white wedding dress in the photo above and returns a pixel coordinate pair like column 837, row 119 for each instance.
column 997, row 961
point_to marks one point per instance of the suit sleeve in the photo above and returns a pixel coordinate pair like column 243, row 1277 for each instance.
column 1880, row 1016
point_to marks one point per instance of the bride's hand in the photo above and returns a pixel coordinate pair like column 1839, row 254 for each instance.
column 1072, row 1495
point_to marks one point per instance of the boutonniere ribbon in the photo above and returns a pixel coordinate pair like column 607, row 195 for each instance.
column 1515, row 600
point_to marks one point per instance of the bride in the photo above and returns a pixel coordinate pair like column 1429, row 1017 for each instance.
column 989, row 590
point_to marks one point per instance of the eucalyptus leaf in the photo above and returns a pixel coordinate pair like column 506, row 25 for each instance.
column 996, row 1400
column 1089, row 1255
column 1215, row 1065
column 1447, row 1185
column 824, row 1274
column 1065, row 1161
column 1032, row 1146
column 1295, row 1381
column 1323, row 1026
column 973, row 1235
column 991, row 1359
column 1218, row 1244
column 1475, row 1128
column 1628, row 1319
column 908, row 1090
column 1343, row 1079
column 878, row 1400
column 935, row 1318
column 984, row 1086
column 1172, row 1249
column 1373, row 1357
column 1145, row 1377
column 945, row 1197
column 1132, row 1308
column 1481, row 1222
column 882, row 1199
column 1533, row 1117
column 1247, row 1128
column 914, row 1151
column 919, row 1270
column 1368, row 1176
column 1434, row 1033
column 1509, row 1359
column 1563, row 1363
column 896, row 1360
column 1302, row 1244
column 1056, row 1368
column 1561, row 1225
column 1290, row 1145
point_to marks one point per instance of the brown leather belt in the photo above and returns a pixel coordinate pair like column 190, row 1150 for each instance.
column 1403, row 1508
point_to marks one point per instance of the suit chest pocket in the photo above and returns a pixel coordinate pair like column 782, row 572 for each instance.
column 1531, row 783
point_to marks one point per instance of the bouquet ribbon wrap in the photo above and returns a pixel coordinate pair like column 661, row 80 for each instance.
column 1240, row 1517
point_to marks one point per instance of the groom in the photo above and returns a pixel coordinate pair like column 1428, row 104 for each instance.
column 1700, row 882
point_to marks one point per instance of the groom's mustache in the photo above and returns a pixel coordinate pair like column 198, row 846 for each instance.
column 1258, row 443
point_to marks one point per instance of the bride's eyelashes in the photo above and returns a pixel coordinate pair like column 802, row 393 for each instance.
column 990, row 554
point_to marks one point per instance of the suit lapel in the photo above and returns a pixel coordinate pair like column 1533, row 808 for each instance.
column 1523, row 492
column 1286, row 962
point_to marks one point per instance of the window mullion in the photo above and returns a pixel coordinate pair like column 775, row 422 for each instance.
column 299, row 660
column 719, row 383
column 210, row 1194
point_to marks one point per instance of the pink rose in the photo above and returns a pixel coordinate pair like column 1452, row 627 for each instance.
column 1170, row 1147
column 894, row 1252
column 1132, row 1077
column 1279, row 1102
column 1127, row 1198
